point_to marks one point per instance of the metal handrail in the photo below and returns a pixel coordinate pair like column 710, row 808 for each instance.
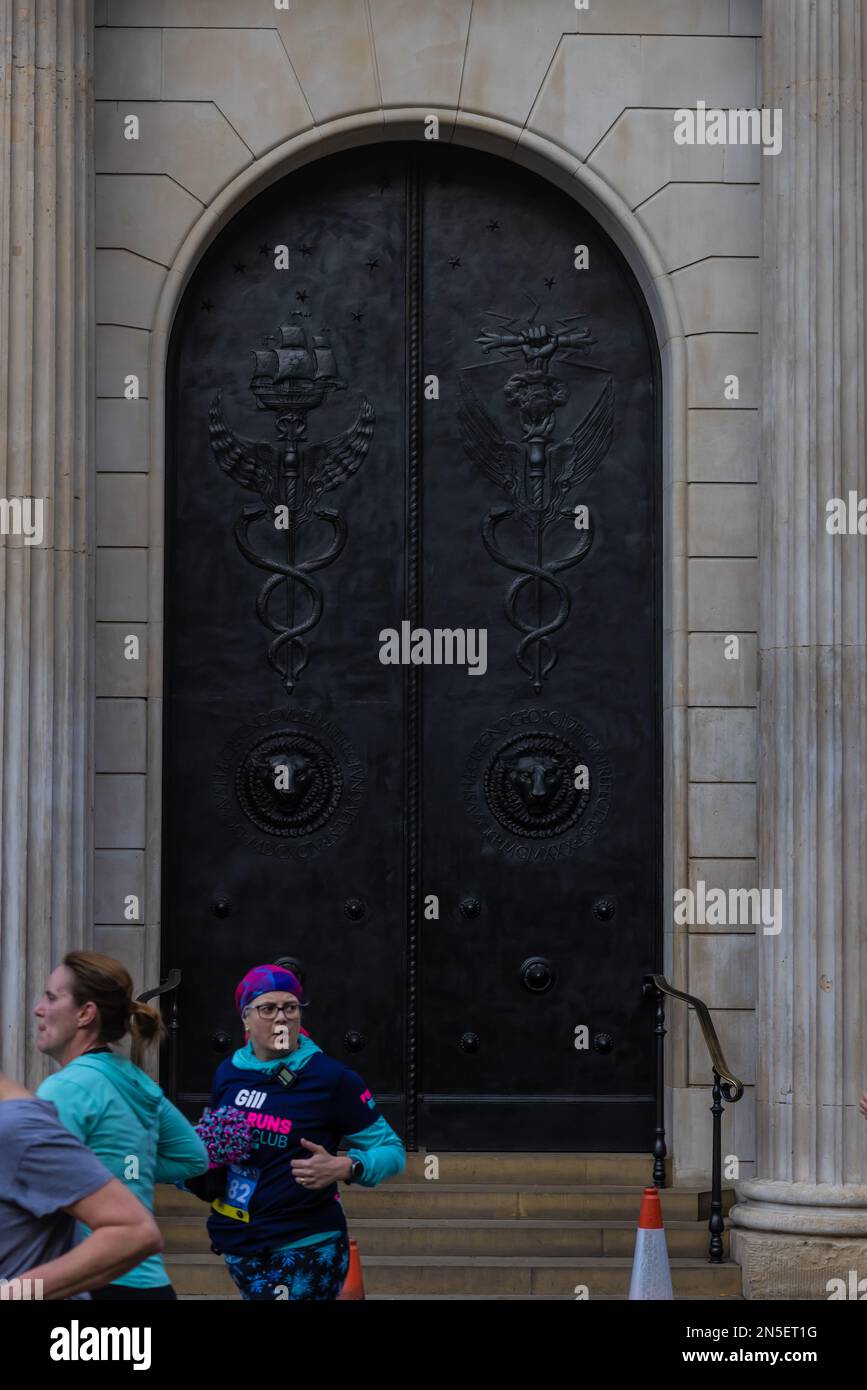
column 725, row 1084
column 720, row 1065
column 170, row 985
column 171, row 982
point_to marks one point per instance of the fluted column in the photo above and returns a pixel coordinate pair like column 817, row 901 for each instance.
column 811, row 1171
column 46, row 390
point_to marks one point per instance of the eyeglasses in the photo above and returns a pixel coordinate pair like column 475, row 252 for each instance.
column 269, row 1011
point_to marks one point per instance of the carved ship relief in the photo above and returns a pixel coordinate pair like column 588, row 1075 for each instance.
column 291, row 377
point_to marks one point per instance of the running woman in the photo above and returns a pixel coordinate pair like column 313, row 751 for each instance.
column 280, row 1225
column 107, row 1101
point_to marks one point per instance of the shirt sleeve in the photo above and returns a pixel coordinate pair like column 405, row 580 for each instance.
column 55, row 1171
column 373, row 1142
column 180, row 1152
column 379, row 1151
column 76, row 1107
column 353, row 1105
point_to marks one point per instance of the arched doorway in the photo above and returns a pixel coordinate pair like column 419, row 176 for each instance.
column 441, row 420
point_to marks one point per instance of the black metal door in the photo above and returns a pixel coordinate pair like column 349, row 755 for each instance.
column 432, row 423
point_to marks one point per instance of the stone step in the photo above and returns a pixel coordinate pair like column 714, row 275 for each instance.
column 535, row 1168
column 515, row 1297
column 595, row 1201
column 463, row 1297
column 559, row 1169
column 525, row 1237
column 424, row 1275
column 501, row 1201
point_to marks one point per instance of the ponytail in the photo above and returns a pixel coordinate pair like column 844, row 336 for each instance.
column 146, row 1026
column 106, row 983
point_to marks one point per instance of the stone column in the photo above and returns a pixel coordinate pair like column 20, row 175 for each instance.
column 803, row 1220
column 46, row 394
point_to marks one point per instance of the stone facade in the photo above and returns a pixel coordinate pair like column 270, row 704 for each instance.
column 811, row 1172
column 46, row 433
column 231, row 95
column 230, row 98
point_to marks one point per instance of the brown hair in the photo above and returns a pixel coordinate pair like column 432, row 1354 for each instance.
column 102, row 981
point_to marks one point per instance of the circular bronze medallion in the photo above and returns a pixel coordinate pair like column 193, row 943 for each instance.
column 530, row 785
column 540, row 776
column 289, row 783
column 292, row 778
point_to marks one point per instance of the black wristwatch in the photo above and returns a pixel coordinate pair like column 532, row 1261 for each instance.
column 355, row 1171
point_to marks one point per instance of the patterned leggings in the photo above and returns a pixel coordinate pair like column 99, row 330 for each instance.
column 315, row 1272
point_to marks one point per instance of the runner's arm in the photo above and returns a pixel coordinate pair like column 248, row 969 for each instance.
column 180, row 1152
column 369, row 1136
column 379, row 1150
column 123, row 1233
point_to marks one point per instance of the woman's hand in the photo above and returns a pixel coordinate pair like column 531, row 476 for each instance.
column 321, row 1169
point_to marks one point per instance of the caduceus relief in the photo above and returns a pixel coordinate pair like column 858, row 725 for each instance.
column 537, row 475
column 293, row 378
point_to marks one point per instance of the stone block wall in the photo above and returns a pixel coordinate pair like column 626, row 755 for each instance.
column 229, row 93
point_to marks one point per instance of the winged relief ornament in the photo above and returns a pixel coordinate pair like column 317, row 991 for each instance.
column 537, row 475
column 291, row 377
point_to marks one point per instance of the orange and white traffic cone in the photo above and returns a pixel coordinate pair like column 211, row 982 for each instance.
column 651, row 1273
column 354, row 1286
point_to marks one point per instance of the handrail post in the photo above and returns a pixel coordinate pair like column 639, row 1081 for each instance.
column 169, row 986
column 725, row 1083
column 716, row 1223
column 174, row 1027
column 659, row 1148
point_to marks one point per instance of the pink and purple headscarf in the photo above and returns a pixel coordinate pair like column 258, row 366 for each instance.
column 261, row 980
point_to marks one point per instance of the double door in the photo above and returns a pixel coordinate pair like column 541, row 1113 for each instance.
column 412, row 725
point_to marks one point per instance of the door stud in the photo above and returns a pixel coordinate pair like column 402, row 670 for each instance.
column 537, row 974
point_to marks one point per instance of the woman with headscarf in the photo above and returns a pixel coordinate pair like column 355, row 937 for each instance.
column 107, row 1101
column 280, row 1224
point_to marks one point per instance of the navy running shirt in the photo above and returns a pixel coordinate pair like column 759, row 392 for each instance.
column 263, row 1206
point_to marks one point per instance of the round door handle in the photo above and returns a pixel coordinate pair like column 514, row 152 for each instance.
column 470, row 1042
column 604, row 909
column 354, row 1041
column 469, row 907
column 354, row 909
column 603, row 1042
column 221, row 905
column 537, row 974
column 221, row 1042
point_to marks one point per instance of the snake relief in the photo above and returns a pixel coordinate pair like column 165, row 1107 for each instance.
column 291, row 377
column 538, row 475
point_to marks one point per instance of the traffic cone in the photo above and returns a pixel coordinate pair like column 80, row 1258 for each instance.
column 354, row 1286
column 651, row 1274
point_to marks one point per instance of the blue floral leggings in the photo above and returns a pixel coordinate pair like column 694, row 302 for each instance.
column 315, row 1272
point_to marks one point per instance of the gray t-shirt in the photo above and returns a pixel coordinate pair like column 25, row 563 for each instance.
column 43, row 1168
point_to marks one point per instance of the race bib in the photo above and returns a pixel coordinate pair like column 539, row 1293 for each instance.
column 240, row 1186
